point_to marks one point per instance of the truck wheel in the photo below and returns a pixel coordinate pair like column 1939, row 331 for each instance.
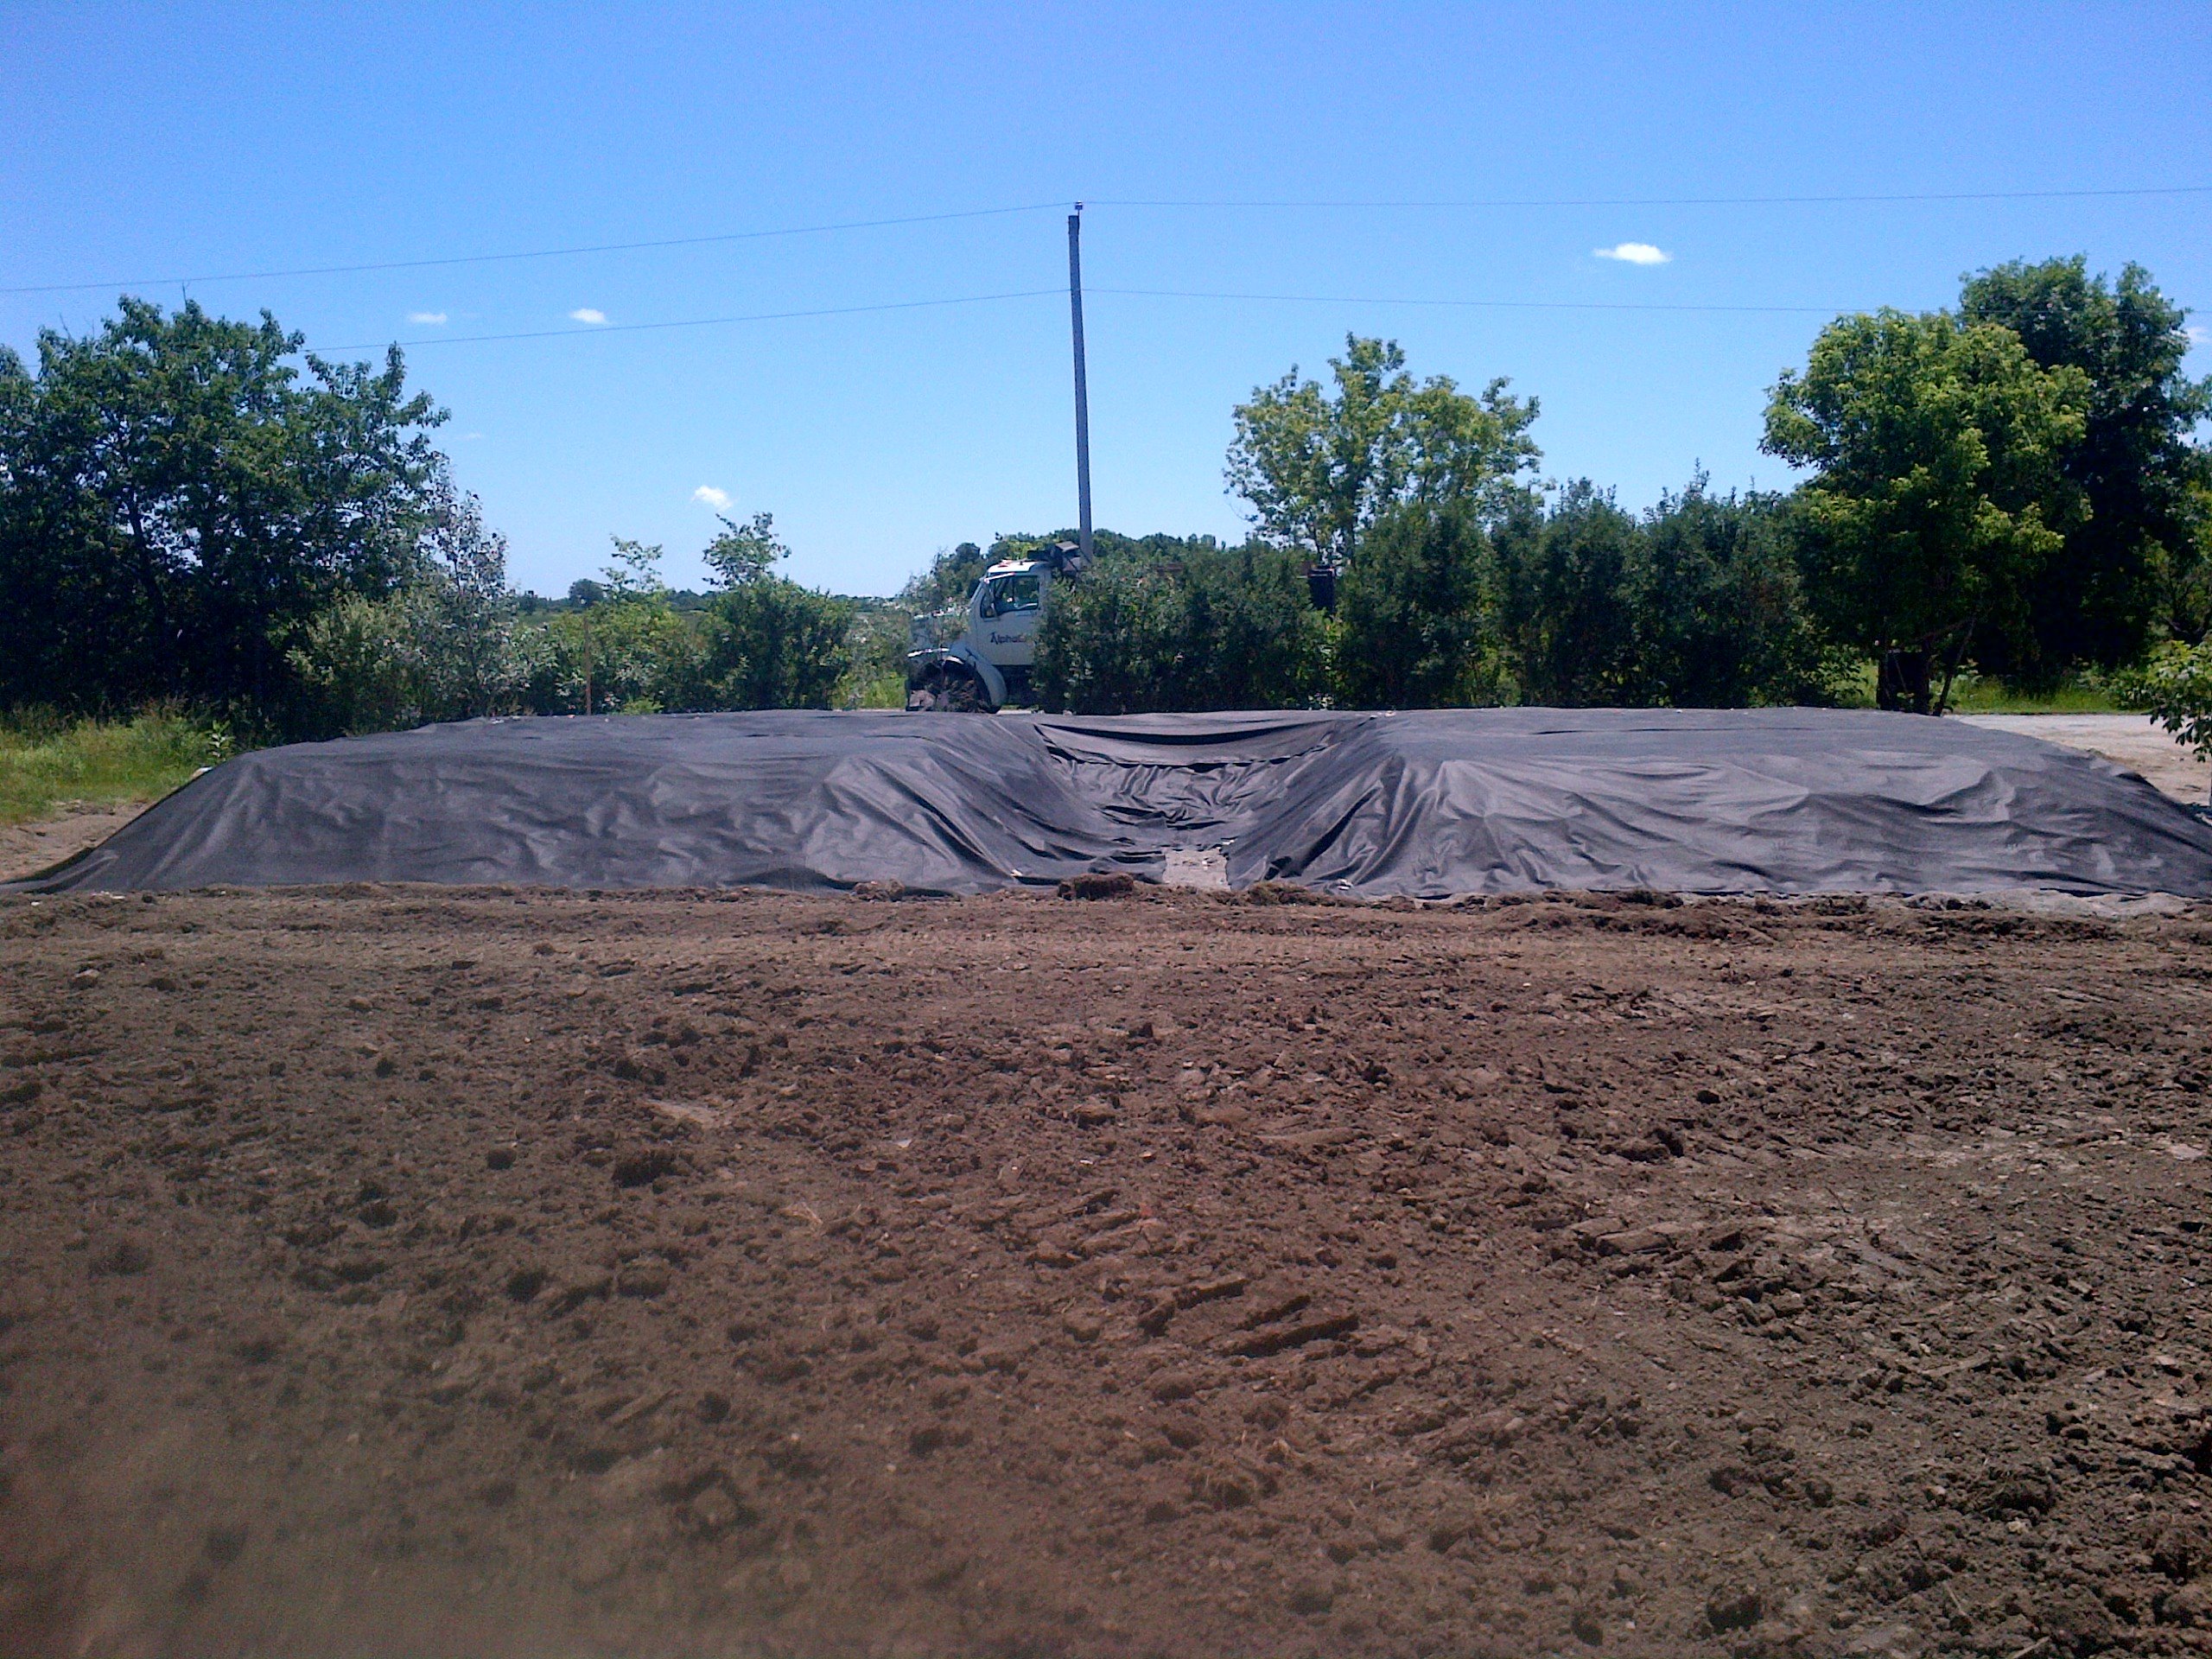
column 947, row 691
column 965, row 695
column 926, row 695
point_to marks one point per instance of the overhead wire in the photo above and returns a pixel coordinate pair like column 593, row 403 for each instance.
column 1471, row 204
column 586, row 330
column 538, row 253
column 1500, row 305
column 1894, row 197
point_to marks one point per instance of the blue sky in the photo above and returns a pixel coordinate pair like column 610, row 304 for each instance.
column 151, row 142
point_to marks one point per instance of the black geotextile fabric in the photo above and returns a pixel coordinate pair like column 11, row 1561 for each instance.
column 1429, row 805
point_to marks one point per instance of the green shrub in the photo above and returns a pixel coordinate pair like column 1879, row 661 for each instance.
column 638, row 655
column 443, row 645
column 1215, row 628
column 1413, row 626
column 1721, row 618
column 1564, row 605
column 1699, row 604
column 775, row 645
column 875, row 656
column 2174, row 686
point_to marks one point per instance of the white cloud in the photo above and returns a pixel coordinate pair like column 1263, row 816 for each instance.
column 1634, row 253
column 585, row 314
column 426, row 316
column 2198, row 336
column 708, row 495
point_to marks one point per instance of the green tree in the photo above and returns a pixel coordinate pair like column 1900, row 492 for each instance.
column 464, row 580
column 2174, row 686
column 875, row 655
column 777, row 645
column 177, row 499
column 634, row 574
column 632, row 657
column 1719, row 608
column 1938, row 493
column 1200, row 627
column 745, row 552
column 1319, row 470
column 1697, row 604
column 2126, row 566
column 773, row 644
column 623, row 649
column 356, row 661
column 443, row 647
column 1413, row 622
column 947, row 583
column 1567, row 598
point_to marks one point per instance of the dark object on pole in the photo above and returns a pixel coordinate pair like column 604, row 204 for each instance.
column 1903, row 684
column 1321, row 586
column 1082, row 391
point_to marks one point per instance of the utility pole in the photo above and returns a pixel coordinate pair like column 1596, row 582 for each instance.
column 1082, row 391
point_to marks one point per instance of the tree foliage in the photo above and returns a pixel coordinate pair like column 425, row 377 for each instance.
column 2130, row 563
column 1697, row 604
column 444, row 645
column 197, row 511
column 1414, row 626
column 1566, row 601
column 452, row 643
column 1938, row 494
column 178, row 499
column 772, row 643
column 2174, row 687
column 1208, row 627
column 1320, row 470
column 1721, row 621
column 746, row 552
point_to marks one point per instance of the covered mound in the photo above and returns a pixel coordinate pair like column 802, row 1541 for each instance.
column 1427, row 805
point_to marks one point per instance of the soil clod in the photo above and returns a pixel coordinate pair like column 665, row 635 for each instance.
column 1265, row 1276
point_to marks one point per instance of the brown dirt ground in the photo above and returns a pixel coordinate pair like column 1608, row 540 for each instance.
column 27, row 848
column 397, row 1273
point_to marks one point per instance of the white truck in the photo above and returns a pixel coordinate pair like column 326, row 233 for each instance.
column 977, row 660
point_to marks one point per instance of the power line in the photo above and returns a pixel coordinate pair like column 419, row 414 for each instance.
column 1676, row 201
column 1438, row 205
column 1500, row 305
column 588, row 330
column 538, row 253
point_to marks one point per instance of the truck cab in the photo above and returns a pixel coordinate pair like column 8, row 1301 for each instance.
column 979, row 660
column 1008, row 607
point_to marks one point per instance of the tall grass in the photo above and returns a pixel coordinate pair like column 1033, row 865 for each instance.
column 2080, row 694
column 2086, row 693
column 45, row 762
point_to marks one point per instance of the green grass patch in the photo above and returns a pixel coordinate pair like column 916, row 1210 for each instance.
column 2081, row 694
column 886, row 690
column 45, row 763
column 1855, row 689
column 1978, row 694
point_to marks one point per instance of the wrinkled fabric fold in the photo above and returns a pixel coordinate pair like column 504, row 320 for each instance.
column 1428, row 805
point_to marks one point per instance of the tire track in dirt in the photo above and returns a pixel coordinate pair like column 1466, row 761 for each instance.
column 393, row 1272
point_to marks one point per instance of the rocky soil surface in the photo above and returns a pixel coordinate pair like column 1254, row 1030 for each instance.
column 391, row 1273
column 28, row 849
